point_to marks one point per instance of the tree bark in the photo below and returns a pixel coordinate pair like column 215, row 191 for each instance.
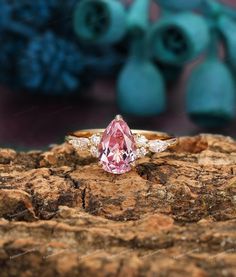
column 174, row 214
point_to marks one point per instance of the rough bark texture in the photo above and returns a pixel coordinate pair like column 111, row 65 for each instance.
column 173, row 215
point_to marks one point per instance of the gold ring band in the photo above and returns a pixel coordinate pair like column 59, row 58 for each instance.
column 151, row 135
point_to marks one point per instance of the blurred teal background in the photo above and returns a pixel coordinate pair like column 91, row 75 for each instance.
column 33, row 119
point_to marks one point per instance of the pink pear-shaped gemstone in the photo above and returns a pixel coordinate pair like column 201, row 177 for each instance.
column 117, row 147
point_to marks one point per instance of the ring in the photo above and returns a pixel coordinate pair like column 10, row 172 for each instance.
column 117, row 146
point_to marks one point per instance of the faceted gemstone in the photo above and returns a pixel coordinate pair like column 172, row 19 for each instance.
column 95, row 139
column 158, row 146
column 79, row 143
column 117, row 147
column 140, row 140
column 141, row 152
column 94, row 151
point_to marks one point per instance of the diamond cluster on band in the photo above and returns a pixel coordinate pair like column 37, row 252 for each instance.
column 156, row 146
column 90, row 143
column 79, row 143
column 143, row 145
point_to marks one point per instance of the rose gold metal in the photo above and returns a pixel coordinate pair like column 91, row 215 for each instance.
column 151, row 135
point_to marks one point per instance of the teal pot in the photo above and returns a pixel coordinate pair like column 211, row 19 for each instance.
column 141, row 90
column 100, row 21
column 211, row 94
column 179, row 5
column 179, row 38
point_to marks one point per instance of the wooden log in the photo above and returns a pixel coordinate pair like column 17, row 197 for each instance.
column 174, row 214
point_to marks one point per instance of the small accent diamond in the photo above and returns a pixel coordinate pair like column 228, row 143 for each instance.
column 95, row 139
column 140, row 140
column 141, row 152
column 157, row 146
column 79, row 143
column 94, row 151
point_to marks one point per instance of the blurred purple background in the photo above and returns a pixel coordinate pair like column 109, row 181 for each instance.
column 29, row 121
